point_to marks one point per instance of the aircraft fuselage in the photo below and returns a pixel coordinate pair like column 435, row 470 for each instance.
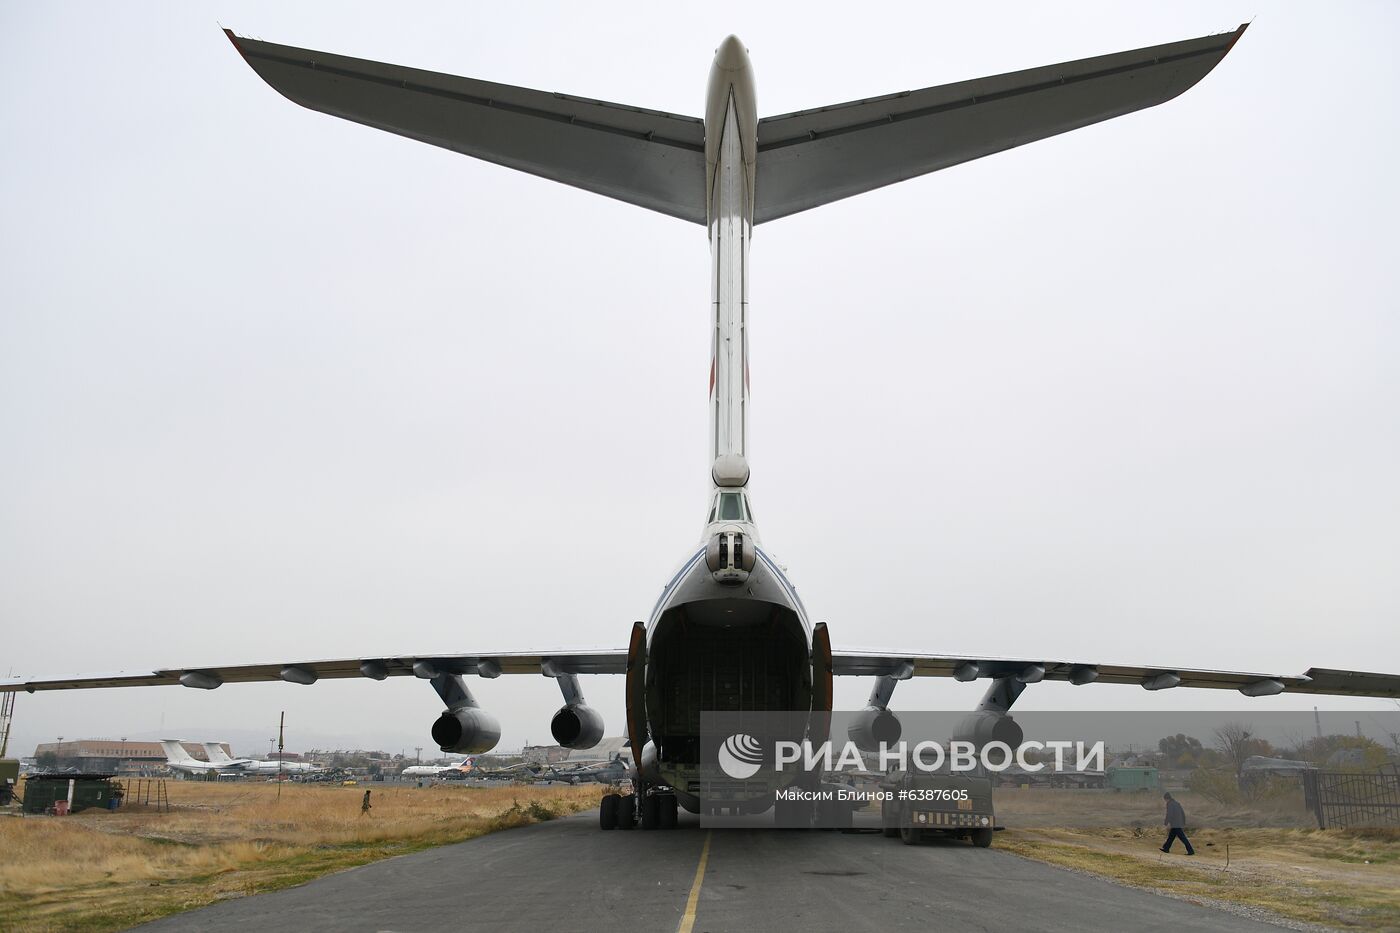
column 729, row 632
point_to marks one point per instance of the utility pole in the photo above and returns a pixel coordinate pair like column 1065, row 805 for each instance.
column 281, row 725
column 1317, row 720
column 7, row 715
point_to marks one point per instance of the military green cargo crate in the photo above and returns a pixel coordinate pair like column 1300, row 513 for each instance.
column 1132, row 778
column 42, row 791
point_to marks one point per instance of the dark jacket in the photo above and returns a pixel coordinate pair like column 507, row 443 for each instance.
column 1176, row 816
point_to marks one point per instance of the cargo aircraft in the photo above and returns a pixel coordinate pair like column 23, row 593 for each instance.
column 729, row 632
column 177, row 759
column 219, row 761
column 219, row 757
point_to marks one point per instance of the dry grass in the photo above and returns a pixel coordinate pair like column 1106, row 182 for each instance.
column 106, row 871
column 1342, row 879
column 1084, row 809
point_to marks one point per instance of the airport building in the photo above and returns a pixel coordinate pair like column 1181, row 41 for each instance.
column 111, row 755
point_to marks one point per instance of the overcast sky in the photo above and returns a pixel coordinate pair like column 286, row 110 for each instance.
column 275, row 386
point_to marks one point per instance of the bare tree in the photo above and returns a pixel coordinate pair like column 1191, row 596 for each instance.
column 1236, row 741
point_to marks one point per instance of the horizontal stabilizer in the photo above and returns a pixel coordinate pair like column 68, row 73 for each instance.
column 644, row 157
column 814, row 157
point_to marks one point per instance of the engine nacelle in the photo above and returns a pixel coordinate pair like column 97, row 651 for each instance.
column 986, row 726
column 467, row 730
column 577, row 726
column 873, row 726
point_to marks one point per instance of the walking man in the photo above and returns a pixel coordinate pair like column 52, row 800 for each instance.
column 365, row 805
column 1176, row 823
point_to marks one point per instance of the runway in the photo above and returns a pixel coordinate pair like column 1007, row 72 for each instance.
column 569, row 875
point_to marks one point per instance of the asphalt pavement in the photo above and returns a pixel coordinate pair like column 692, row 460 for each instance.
column 569, row 875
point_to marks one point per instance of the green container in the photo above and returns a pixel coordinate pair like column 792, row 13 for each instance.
column 43, row 791
column 1132, row 778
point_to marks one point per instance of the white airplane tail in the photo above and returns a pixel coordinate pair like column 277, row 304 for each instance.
column 175, row 753
column 216, row 753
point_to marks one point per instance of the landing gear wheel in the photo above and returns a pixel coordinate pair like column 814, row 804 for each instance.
column 651, row 812
column 627, row 811
column 982, row 838
column 607, row 811
column 910, row 836
column 669, row 809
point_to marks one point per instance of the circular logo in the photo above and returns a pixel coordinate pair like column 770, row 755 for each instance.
column 740, row 756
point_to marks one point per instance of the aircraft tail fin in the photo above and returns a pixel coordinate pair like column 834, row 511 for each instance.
column 645, row 157
column 216, row 753
column 813, row 157
column 175, row 752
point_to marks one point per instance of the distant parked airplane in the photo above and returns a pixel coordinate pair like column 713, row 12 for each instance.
column 437, row 770
column 216, row 754
column 180, row 760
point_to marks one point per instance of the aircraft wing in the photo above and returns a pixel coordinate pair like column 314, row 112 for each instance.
column 426, row 666
column 645, row 157
column 813, row 157
column 1032, row 670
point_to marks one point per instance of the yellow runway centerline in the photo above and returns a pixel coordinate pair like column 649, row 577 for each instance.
column 688, row 918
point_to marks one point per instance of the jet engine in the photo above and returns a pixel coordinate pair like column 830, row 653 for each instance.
column 873, row 726
column 986, row 726
column 577, row 726
column 466, row 730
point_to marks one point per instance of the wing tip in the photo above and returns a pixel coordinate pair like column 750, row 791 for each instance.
column 1215, row 61
column 1239, row 33
column 234, row 39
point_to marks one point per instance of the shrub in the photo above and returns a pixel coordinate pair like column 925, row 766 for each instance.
column 540, row 811
column 1213, row 784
